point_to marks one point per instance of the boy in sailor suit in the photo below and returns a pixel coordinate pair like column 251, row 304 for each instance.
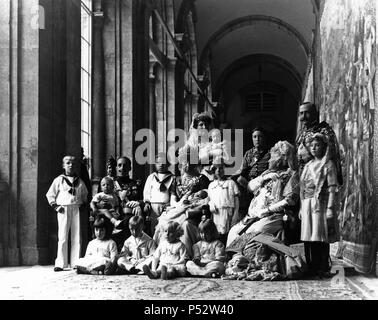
column 66, row 194
column 159, row 191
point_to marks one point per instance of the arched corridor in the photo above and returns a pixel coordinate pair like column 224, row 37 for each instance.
column 94, row 73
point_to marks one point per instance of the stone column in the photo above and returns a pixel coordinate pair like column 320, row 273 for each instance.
column 152, row 107
column 98, row 136
column 195, row 99
column 171, row 105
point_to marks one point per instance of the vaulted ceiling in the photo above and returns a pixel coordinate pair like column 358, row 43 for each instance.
column 245, row 42
column 230, row 30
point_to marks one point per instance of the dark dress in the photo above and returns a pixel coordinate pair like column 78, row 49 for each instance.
column 255, row 162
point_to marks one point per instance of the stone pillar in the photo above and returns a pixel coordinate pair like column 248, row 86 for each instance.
column 8, row 131
column 171, row 105
column 171, row 108
column 152, row 108
column 99, row 132
column 152, row 105
column 195, row 99
column 4, row 221
column 41, row 65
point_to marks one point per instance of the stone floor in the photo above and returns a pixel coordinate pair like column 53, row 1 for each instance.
column 42, row 283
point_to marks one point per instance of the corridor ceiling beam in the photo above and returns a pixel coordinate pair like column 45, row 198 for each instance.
column 181, row 56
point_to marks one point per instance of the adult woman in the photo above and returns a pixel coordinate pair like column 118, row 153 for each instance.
column 255, row 162
column 256, row 159
column 199, row 145
column 274, row 191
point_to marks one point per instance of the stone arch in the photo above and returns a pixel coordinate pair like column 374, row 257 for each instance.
column 250, row 21
column 252, row 59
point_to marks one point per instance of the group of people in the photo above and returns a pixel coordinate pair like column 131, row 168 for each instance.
column 197, row 223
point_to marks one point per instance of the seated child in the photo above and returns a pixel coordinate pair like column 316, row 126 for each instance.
column 209, row 253
column 170, row 256
column 101, row 253
column 159, row 189
column 111, row 171
column 138, row 249
column 107, row 202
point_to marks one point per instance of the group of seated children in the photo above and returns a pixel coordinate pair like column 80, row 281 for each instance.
column 140, row 255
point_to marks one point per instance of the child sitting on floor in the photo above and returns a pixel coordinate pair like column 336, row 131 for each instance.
column 138, row 249
column 209, row 253
column 101, row 253
column 170, row 256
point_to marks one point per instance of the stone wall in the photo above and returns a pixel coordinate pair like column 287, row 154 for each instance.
column 39, row 118
column 344, row 90
column 126, row 75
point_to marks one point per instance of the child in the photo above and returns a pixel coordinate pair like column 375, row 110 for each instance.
column 217, row 146
column 107, row 202
column 224, row 200
column 209, row 253
column 101, row 253
column 317, row 189
column 138, row 250
column 170, row 255
column 158, row 191
column 66, row 194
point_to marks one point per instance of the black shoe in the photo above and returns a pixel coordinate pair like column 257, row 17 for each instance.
column 58, row 269
column 120, row 271
column 149, row 273
column 325, row 274
column 164, row 273
column 134, row 270
column 79, row 271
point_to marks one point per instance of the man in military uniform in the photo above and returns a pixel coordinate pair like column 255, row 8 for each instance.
column 130, row 193
column 309, row 117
